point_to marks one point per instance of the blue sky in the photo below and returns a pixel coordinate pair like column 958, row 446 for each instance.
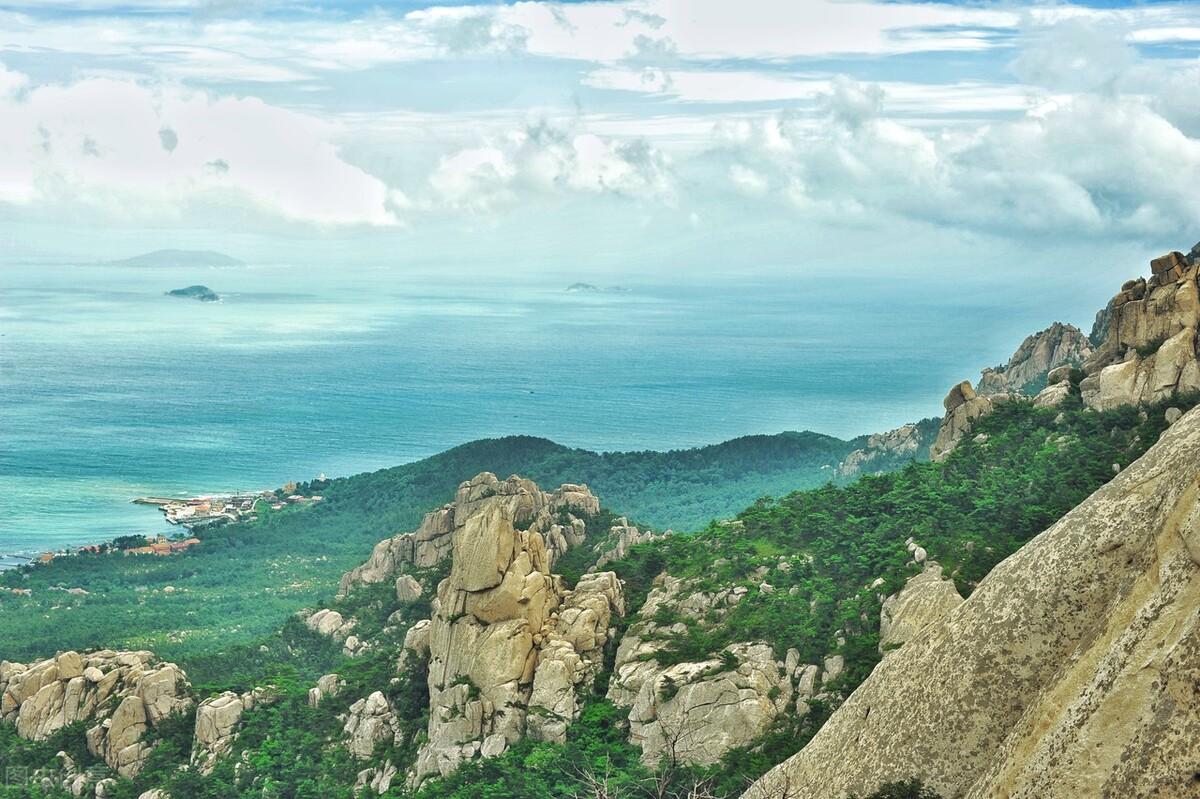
column 680, row 134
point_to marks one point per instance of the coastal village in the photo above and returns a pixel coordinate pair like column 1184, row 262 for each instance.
column 191, row 513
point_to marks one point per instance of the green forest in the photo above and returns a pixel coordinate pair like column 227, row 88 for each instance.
column 245, row 578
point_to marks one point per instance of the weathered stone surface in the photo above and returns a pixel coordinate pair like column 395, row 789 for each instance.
column 1069, row 672
column 963, row 407
column 125, row 693
column 925, row 598
column 525, row 505
column 408, row 589
column 635, row 663
column 330, row 623
column 696, row 712
column 621, row 538
column 1052, row 396
column 217, row 722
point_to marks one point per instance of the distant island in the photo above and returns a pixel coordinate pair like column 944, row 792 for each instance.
column 201, row 293
column 589, row 288
column 187, row 259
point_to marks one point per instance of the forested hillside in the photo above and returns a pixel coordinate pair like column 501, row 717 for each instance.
column 245, row 579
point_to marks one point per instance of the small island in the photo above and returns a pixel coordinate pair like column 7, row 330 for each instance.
column 201, row 293
column 179, row 259
column 589, row 287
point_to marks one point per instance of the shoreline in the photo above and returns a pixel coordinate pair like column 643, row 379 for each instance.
column 189, row 513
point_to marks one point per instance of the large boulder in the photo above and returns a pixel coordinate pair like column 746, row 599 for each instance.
column 963, row 407
column 1071, row 671
column 371, row 721
column 217, row 721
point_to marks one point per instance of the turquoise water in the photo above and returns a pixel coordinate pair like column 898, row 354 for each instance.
column 110, row 390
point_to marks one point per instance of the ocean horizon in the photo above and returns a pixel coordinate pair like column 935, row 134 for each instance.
column 113, row 390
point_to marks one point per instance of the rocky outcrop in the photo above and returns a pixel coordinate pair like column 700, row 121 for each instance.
column 329, row 685
column 1026, row 371
column 622, row 537
column 495, row 615
column 572, row 654
column 549, row 514
column 884, row 451
column 925, row 598
column 332, row 624
column 963, row 406
column 696, row 712
column 127, row 694
column 370, row 722
column 1069, row 672
column 1149, row 346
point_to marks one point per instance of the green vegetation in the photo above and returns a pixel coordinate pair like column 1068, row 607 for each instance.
column 807, row 561
column 222, row 597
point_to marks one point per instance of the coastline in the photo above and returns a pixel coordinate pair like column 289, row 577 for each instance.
column 189, row 513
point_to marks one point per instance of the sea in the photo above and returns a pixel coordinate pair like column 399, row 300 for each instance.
column 111, row 390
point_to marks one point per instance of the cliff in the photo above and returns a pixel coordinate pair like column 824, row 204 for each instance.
column 1149, row 333
column 1069, row 672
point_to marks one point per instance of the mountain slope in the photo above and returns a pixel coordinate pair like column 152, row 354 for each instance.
column 1070, row 671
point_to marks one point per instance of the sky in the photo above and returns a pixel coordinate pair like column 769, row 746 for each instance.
column 969, row 142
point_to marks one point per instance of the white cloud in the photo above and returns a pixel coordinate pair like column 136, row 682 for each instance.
column 1085, row 164
column 544, row 159
column 128, row 150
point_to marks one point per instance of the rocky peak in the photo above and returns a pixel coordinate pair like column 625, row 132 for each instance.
column 1026, row 371
column 524, row 504
column 510, row 650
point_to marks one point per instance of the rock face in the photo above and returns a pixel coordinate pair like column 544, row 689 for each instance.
column 525, row 504
column 924, row 599
column 1071, row 671
column 1026, row 371
column 963, row 406
column 884, row 450
column 1148, row 350
column 126, row 693
column 501, row 616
